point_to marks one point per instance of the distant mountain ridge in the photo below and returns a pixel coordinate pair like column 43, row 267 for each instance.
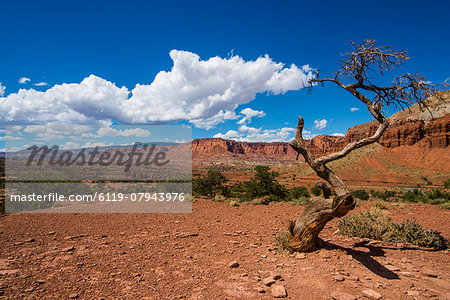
column 429, row 128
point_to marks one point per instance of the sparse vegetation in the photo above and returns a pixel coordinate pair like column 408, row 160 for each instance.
column 383, row 195
column 377, row 225
column 447, row 184
column 316, row 191
column 210, row 184
column 380, row 205
column 360, row 194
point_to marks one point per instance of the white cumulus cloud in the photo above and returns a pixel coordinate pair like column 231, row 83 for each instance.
column 2, row 89
column 23, row 80
column 40, row 84
column 252, row 134
column 320, row 124
column 137, row 132
column 353, row 109
column 204, row 92
column 249, row 114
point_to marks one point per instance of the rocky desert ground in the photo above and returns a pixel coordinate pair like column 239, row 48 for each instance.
column 217, row 252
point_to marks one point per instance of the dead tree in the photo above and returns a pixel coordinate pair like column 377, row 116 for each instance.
column 358, row 67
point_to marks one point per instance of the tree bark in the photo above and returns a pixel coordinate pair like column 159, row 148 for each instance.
column 303, row 234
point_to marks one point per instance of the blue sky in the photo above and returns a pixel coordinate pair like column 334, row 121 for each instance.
column 128, row 43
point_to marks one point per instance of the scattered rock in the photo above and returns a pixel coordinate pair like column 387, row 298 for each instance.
column 338, row 277
column 30, row 240
column 51, row 233
column 371, row 294
column 260, row 289
column 68, row 249
column 429, row 273
column 268, row 281
column 234, row 264
column 300, row 256
column 278, row 291
column 406, row 274
column 353, row 277
column 413, row 293
column 392, row 268
column 342, row 296
column 73, row 296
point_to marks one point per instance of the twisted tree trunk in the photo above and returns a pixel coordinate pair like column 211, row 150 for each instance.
column 303, row 234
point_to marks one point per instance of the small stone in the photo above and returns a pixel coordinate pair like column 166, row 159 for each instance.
column 338, row 278
column 406, row 274
column 73, row 296
column 278, row 291
column 30, row 240
column 392, row 268
column 268, row 281
column 234, row 264
column 68, row 249
column 260, row 289
column 51, row 233
column 40, row 281
column 353, row 277
column 413, row 293
column 300, row 256
column 429, row 273
column 371, row 294
column 342, row 296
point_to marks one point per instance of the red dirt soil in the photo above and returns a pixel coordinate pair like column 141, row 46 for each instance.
column 188, row 256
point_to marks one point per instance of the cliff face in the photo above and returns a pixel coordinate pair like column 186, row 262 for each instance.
column 406, row 128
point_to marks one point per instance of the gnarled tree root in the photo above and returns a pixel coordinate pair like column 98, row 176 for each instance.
column 303, row 234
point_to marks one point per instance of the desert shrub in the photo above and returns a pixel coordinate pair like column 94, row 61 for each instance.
column 377, row 225
column 210, row 184
column 445, row 205
column 413, row 196
column 380, row 205
column 234, row 203
column 299, row 192
column 373, row 224
column 282, row 242
column 261, row 201
column 435, row 194
column 264, row 183
column 316, row 191
column 432, row 196
column 447, row 183
column 384, row 195
column 361, row 194
column 415, row 234
column 219, row 198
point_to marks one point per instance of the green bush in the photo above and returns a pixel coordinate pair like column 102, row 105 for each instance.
column 384, row 195
column 447, row 184
column 360, row 194
column 264, row 183
column 210, row 184
column 316, row 191
column 299, row 192
column 377, row 225
column 415, row 234
column 432, row 196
